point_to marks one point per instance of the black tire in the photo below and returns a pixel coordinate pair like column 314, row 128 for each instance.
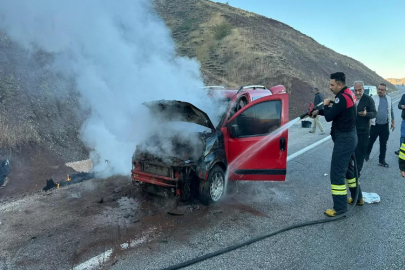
column 186, row 190
column 212, row 189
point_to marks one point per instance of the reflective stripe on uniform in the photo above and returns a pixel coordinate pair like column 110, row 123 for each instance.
column 343, row 192
column 339, row 190
column 351, row 182
column 402, row 151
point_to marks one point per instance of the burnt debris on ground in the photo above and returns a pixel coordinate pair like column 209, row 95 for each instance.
column 70, row 179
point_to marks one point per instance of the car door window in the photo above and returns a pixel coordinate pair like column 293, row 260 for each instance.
column 239, row 104
column 259, row 120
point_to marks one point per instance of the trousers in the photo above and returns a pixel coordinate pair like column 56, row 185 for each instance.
column 383, row 133
column 402, row 133
column 317, row 122
column 342, row 168
column 361, row 150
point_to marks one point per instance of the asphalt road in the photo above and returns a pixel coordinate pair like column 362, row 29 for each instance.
column 111, row 224
column 370, row 238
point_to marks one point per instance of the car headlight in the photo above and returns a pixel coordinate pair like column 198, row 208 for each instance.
column 209, row 144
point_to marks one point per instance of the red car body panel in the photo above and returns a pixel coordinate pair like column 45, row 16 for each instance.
column 258, row 157
column 268, row 163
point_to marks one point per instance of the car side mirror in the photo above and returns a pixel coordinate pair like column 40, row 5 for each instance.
column 235, row 132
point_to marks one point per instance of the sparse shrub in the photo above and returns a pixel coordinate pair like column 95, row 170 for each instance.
column 222, row 30
column 187, row 25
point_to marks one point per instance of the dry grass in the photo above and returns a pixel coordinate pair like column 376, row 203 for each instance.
column 17, row 135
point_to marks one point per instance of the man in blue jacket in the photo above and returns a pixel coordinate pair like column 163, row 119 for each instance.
column 380, row 126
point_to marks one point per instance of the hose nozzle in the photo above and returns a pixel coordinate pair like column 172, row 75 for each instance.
column 302, row 116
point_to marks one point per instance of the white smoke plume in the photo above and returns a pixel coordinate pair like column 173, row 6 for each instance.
column 121, row 54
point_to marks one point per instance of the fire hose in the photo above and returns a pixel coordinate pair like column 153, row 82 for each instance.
column 288, row 228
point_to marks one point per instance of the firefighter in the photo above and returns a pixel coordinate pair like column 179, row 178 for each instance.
column 401, row 159
column 342, row 113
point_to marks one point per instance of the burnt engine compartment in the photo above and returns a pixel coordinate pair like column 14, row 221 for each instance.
column 172, row 156
column 171, row 150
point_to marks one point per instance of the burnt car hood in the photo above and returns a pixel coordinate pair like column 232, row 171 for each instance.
column 174, row 110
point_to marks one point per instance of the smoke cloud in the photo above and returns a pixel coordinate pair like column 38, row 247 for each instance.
column 121, row 54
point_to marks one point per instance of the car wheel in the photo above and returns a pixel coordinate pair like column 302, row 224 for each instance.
column 212, row 189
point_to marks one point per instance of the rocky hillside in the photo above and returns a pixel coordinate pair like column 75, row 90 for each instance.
column 37, row 106
column 237, row 48
column 397, row 81
column 234, row 47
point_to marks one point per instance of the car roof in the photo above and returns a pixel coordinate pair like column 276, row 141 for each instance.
column 253, row 91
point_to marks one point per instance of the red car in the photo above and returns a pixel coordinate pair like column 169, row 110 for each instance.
column 243, row 146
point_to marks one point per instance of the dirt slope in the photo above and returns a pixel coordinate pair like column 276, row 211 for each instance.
column 236, row 47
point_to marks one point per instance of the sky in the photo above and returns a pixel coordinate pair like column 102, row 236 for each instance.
column 370, row 31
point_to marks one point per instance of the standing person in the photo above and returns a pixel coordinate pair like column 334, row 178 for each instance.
column 401, row 159
column 401, row 106
column 365, row 112
column 379, row 125
column 343, row 132
column 317, row 121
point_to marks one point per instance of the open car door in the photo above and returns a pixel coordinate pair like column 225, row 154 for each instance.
column 255, row 141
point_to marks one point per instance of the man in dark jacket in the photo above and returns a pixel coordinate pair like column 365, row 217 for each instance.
column 365, row 111
column 317, row 121
column 401, row 106
column 343, row 115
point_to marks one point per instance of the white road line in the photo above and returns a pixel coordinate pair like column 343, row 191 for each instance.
column 95, row 262
column 99, row 260
column 302, row 151
column 145, row 238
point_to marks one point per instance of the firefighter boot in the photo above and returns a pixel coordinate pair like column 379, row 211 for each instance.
column 359, row 202
column 330, row 212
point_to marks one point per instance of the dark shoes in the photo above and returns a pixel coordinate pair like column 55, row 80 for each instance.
column 383, row 164
column 397, row 153
column 367, row 157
